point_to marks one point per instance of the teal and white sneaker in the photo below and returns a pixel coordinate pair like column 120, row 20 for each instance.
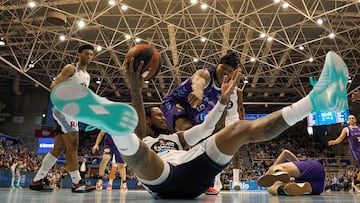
column 329, row 93
column 80, row 103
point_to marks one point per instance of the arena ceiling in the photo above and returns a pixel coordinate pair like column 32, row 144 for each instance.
column 280, row 44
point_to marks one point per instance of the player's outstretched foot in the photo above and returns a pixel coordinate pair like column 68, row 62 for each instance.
column 124, row 186
column 109, row 187
column 211, row 191
column 329, row 93
column 41, row 185
column 268, row 180
column 82, row 104
column 82, row 187
column 295, row 189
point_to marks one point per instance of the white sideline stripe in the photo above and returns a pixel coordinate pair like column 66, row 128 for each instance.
column 98, row 109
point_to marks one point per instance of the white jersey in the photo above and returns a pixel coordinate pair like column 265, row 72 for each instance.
column 169, row 149
column 80, row 77
column 66, row 123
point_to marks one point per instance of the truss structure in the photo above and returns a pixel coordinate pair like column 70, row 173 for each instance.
column 274, row 40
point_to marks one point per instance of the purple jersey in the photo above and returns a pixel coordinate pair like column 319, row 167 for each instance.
column 178, row 98
column 354, row 138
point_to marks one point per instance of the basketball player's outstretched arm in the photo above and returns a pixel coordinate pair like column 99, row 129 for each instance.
column 136, row 82
column 145, row 162
column 199, row 80
column 285, row 155
column 97, row 142
column 339, row 139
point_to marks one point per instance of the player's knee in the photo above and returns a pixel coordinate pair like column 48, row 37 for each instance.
column 56, row 152
column 106, row 157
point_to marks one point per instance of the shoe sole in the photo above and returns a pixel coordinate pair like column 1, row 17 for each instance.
column 331, row 85
column 295, row 190
column 269, row 180
column 82, row 104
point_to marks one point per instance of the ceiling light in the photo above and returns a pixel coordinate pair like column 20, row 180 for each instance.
column 193, row 1
column 276, row 1
column 320, row 21
column 98, row 48
column 246, row 80
column 196, row 59
column 301, row 47
column 112, row 2
column 31, row 4
column 204, row 6
column 331, row 35
column 31, row 64
column 252, row 59
column 81, row 23
column 146, row 82
column 262, row 35
column 43, row 115
column 311, row 59
column 137, row 40
column 285, row 5
column 2, row 42
column 98, row 82
column 62, row 37
column 127, row 36
column 269, row 39
column 203, row 39
column 124, row 7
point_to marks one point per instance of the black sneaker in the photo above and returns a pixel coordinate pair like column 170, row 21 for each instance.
column 82, row 187
column 41, row 185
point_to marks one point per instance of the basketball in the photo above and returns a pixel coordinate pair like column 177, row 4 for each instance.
column 149, row 55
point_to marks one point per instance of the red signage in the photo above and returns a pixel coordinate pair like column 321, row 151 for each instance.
column 44, row 133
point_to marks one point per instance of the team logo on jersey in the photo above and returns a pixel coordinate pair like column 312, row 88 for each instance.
column 107, row 150
column 179, row 106
column 163, row 145
column 230, row 105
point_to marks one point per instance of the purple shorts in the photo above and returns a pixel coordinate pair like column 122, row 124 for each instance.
column 111, row 149
column 172, row 111
column 313, row 172
column 356, row 156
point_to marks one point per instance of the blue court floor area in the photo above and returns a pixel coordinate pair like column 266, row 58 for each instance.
column 65, row 196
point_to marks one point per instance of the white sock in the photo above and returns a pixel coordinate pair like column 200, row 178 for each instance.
column 48, row 162
column 297, row 111
column 111, row 181
column 236, row 174
column 18, row 180
column 12, row 181
column 217, row 182
column 75, row 176
column 127, row 144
